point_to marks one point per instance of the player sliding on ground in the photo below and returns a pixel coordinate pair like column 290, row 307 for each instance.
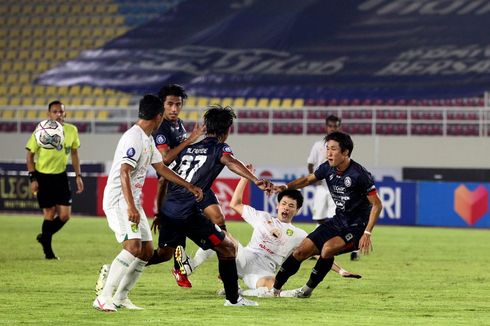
column 273, row 239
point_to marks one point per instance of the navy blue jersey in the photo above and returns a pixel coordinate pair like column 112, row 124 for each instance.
column 198, row 164
column 349, row 191
column 170, row 134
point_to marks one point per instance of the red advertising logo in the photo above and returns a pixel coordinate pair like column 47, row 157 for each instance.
column 471, row 205
column 224, row 188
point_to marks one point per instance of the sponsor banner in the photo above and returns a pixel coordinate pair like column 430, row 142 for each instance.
column 306, row 49
column 454, row 204
column 399, row 202
column 16, row 195
column 222, row 187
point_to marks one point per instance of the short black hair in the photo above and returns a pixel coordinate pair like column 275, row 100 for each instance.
column 172, row 90
column 344, row 140
column 150, row 107
column 292, row 193
column 56, row 102
column 218, row 119
column 334, row 119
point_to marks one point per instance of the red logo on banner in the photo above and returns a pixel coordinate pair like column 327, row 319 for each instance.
column 224, row 188
column 471, row 205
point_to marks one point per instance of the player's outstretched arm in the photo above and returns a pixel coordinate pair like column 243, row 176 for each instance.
column 171, row 176
column 298, row 183
column 236, row 202
column 239, row 168
column 365, row 244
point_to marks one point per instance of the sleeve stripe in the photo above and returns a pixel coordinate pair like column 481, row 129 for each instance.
column 372, row 192
column 164, row 146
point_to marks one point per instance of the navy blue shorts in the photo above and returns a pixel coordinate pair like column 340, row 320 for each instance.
column 333, row 227
column 54, row 189
column 208, row 200
column 196, row 227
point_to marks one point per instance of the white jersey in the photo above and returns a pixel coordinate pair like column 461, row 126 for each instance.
column 138, row 150
column 318, row 155
column 272, row 239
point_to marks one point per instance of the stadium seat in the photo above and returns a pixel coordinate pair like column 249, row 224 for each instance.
column 298, row 103
column 239, row 102
column 251, row 102
column 191, row 101
column 227, row 101
column 263, row 103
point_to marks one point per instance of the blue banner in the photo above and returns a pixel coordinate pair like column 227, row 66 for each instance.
column 289, row 48
column 454, row 204
column 398, row 198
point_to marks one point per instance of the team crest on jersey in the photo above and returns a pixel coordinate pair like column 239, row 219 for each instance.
column 161, row 139
column 134, row 227
column 289, row 232
column 348, row 181
column 227, row 149
column 130, row 152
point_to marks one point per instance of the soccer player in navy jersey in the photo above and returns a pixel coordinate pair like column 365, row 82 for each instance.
column 358, row 208
column 182, row 217
column 171, row 138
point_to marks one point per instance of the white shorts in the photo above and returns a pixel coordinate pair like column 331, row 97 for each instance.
column 251, row 267
column 323, row 204
column 118, row 221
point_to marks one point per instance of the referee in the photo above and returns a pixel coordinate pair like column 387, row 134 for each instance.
column 49, row 181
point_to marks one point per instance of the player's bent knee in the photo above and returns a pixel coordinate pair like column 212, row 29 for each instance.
column 226, row 249
column 166, row 253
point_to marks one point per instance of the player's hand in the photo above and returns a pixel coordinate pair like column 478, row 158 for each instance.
column 34, row 187
column 133, row 215
column 279, row 188
column 365, row 244
column 197, row 192
column 197, row 132
column 265, row 185
column 155, row 226
column 80, row 186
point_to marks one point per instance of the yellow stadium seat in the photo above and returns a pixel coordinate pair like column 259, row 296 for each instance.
column 123, row 101
column 298, row 103
column 102, row 115
column 239, row 102
column 40, row 101
column 100, row 101
column 287, row 103
column 227, row 101
column 191, row 101
column 24, row 79
column 3, row 90
column 32, row 114
column 27, row 101
column 39, row 90
column 14, row 90
column 3, row 100
column 214, row 100
column 202, row 102
column 184, row 115
column 51, row 91
column 27, row 90
column 88, row 101
column 76, row 101
column 112, row 101
column 90, row 114
column 275, row 103
column 8, row 114
column 78, row 115
column 74, row 90
column 263, row 103
column 86, row 90
column 193, row 116
column 251, row 102
column 14, row 101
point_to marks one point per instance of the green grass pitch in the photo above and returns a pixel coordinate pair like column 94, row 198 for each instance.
column 416, row 276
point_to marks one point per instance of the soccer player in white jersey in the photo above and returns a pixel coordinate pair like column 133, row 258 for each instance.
column 273, row 240
column 135, row 151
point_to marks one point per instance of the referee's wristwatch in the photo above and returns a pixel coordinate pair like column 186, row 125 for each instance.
column 32, row 176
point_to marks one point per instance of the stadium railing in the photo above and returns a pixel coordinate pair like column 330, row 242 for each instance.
column 360, row 120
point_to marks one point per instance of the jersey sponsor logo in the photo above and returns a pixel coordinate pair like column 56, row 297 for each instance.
column 289, row 232
column 161, row 139
column 130, row 152
column 348, row 182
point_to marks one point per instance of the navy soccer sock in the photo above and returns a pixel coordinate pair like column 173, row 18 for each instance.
column 229, row 276
column 57, row 224
column 155, row 259
column 322, row 267
column 289, row 268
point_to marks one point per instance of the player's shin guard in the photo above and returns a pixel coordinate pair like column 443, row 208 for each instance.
column 322, row 267
column 47, row 230
column 155, row 259
column 229, row 276
column 289, row 268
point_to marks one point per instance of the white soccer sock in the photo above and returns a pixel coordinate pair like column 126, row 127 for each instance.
column 200, row 256
column 133, row 273
column 118, row 268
